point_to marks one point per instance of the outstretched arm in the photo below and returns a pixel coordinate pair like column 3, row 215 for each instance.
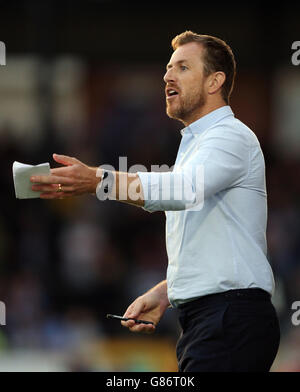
column 75, row 178
column 154, row 191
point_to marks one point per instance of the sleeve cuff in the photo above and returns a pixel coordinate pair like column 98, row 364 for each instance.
column 150, row 184
column 172, row 191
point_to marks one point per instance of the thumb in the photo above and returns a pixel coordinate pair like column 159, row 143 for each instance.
column 65, row 160
column 135, row 309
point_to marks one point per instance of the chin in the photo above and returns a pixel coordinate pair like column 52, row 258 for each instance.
column 172, row 112
column 175, row 114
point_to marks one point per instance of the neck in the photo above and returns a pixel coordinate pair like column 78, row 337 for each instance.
column 203, row 111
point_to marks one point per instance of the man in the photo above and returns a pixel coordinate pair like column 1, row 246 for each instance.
column 218, row 274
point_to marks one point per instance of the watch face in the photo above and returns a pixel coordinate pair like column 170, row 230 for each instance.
column 104, row 189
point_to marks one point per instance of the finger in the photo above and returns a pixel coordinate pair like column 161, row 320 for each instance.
column 139, row 328
column 52, row 188
column 60, row 171
column 142, row 328
column 128, row 324
column 45, row 188
column 134, row 309
column 55, row 195
column 51, row 180
column 65, row 160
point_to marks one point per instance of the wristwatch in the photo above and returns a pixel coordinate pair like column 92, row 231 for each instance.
column 105, row 186
column 103, row 177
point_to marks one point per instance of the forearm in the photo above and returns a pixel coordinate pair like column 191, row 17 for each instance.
column 154, row 191
column 124, row 187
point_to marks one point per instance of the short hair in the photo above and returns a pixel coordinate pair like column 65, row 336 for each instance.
column 217, row 56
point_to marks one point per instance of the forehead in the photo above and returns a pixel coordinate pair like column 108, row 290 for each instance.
column 191, row 52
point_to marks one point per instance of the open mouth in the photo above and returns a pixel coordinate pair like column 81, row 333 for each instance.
column 171, row 93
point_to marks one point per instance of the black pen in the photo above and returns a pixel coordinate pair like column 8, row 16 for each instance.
column 113, row 316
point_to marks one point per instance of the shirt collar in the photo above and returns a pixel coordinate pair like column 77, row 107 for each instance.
column 207, row 121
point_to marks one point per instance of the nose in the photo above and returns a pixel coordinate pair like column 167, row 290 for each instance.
column 169, row 76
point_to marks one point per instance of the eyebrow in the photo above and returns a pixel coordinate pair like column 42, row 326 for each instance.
column 177, row 62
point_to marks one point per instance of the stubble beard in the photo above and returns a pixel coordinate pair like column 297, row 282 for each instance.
column 185, row 109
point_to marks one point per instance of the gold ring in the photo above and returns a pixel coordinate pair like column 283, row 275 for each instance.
column 59, row 188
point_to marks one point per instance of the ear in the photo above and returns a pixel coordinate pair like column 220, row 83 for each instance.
column 216, row 81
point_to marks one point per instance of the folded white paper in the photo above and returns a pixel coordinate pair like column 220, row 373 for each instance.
column 22, row 174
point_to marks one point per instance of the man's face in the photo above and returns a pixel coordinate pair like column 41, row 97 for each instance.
column 185, row 88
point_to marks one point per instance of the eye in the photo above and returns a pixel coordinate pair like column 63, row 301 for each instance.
column 183, row 67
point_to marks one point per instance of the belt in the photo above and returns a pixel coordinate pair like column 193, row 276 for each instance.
column 250, row 294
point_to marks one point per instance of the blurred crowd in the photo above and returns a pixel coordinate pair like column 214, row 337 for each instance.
column 65, row 264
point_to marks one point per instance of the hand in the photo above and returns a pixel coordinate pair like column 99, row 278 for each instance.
column 75, row 179
column 150, row 307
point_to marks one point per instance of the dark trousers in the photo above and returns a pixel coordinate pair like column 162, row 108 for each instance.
column 234, row 331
